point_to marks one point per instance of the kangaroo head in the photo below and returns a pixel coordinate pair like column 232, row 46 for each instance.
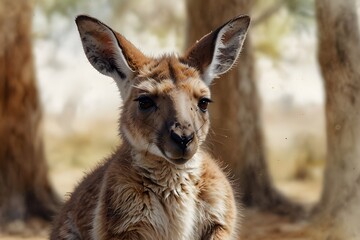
column 165, row 99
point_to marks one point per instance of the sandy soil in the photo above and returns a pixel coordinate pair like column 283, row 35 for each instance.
column 257, row 226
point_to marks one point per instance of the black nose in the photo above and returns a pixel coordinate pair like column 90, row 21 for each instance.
column 182, row 141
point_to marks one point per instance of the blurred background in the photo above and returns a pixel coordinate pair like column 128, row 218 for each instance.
column 81, row 107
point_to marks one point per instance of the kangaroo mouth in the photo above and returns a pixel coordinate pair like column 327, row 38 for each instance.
column 176, row 159
column 179, row 160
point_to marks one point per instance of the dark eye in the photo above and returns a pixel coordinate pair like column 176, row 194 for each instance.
column 145, row 102
column 203, row 104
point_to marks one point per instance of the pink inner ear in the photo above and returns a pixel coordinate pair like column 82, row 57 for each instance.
column 104, row 40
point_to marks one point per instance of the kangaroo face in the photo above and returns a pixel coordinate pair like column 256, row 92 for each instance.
column 165, row 99
column 166, row 111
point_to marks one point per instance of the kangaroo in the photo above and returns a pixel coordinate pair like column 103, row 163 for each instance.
column 159, row 183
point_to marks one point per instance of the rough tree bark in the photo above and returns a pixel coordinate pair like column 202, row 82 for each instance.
column 339, row 58
column 24, row 187
column 235, row 119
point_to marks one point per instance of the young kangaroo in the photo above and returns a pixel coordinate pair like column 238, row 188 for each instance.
column 158, row 184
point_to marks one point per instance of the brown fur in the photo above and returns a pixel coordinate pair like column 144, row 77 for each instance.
column 159, row 184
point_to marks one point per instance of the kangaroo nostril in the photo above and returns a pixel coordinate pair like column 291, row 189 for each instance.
column 175, row 137
column 188, row 139
column 182, row 141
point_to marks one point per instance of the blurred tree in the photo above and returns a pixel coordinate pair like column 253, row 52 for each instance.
column 25, row 190
column 236, row 122
column 339, row 58
column 275, row 19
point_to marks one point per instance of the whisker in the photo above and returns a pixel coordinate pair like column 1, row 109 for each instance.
column 201, row 126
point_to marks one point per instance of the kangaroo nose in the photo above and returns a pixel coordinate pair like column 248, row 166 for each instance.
column 182, row 141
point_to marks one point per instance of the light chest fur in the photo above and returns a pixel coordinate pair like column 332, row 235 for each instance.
column 169, row 198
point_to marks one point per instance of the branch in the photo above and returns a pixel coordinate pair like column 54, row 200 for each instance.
column 268, row 13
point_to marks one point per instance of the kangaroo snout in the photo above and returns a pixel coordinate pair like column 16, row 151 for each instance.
column 183, row 140
column 181, row 133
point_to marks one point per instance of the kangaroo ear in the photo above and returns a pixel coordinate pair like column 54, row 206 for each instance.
column 109, row 52
column 216, row 52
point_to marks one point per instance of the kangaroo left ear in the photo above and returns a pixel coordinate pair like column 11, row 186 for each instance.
column 216, row 52
column 109, row 52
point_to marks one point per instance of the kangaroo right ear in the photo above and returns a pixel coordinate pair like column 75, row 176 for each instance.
column 217, row 52
column 109, row 52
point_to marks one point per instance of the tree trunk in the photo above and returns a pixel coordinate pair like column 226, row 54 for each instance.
column 339, row 58
column 24, row 187
column 237, row 136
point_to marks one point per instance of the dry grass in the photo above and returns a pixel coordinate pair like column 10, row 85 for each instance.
column 81, row 145
column 295, row 140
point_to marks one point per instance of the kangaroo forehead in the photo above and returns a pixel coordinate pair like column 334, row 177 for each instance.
column 168, row 67
column 192, row 86
column 166, row 74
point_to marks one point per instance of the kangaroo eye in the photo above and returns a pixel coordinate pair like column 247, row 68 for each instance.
column 203, row 104
column 145, row 103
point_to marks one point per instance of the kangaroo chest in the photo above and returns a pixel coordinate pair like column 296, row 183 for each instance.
column 174, row 207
